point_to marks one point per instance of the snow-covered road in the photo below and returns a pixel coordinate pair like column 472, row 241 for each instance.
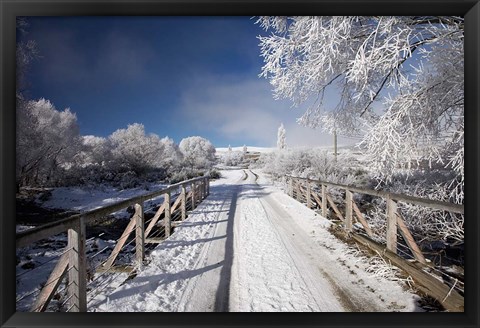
column 249, row 247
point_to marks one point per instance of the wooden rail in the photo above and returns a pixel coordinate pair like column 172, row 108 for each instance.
column 301, row 189
column 73, row 262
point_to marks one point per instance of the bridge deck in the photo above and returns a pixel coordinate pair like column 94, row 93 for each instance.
column 250, row 247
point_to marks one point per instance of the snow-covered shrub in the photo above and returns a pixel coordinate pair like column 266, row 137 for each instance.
column 185, row 174
column 425, row 223
column 315, row 164
column 214, row 174
column 198, row 152
column 231, row 158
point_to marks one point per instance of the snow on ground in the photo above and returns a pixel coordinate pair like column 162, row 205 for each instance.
column 250, row 247
column 166, row 281
column 89, row 198
column 250, row 149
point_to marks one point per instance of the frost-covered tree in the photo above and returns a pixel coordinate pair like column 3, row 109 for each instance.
column 95, row 151
column 46, row 140
column 198, row 152
column 399, row 82
column 172, row 156
column 133, row 150
column 281, row 138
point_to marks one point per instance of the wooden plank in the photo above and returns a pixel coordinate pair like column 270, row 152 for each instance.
column 448, row 297
column 391, row 225
column 324, row 201
column 317, row 199
column 183, row 197
column 156, row 240
column 175, row 204
column 139, row 235
column 362, row 220
column 118, row 247
column 309, row 192
column 407, row 236
column 154, row 220
column 29, row 236
column 51, row 285
column 348, row 210
column 299, row 192
column 290, row 189
column 192, row 189
column 168, row 215
column 335, row 209
column 77, row 273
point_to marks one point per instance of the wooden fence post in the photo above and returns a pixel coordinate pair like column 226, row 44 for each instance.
column 309, row 197
column 291, row 187
column 391, row 225
column 298, row 191
column 168, row 215
column 193, row 195
column 77, row 274
column 184, row 202
column 348, row 210
column 139, row 234
column 324, row 201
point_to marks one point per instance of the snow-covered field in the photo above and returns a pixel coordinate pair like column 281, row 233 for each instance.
column 250, row 149
column 247, row 247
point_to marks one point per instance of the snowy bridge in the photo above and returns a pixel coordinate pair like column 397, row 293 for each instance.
column 246, row 247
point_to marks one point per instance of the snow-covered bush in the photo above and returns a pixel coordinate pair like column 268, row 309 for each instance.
column 214, row 174
column 231, row 158
column 198, row 152
column 425, row 223
column 185, row 174
column 314, row 164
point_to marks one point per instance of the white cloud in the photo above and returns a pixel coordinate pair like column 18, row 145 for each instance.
column 245, row 111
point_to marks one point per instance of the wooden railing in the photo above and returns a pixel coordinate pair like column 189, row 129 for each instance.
column 314, row 193
column 72, row 263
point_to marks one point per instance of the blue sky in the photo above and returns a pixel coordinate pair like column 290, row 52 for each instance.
column 178, row 76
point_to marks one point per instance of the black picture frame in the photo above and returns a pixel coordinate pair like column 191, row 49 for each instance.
column 10, row 9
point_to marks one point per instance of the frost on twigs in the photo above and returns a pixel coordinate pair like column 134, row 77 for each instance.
column 397, row 80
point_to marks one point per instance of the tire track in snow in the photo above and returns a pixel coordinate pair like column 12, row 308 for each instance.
column 267, row 276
